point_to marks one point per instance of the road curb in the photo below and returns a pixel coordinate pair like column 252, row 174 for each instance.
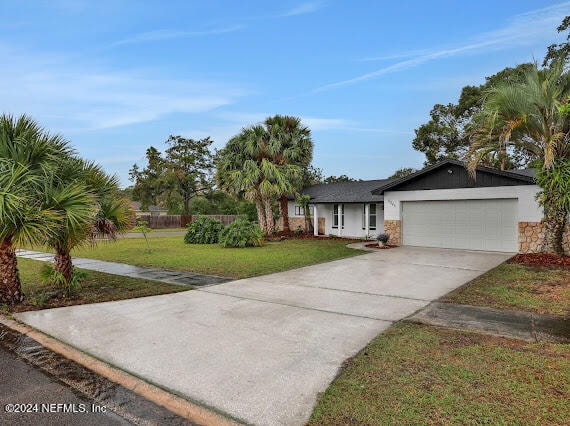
column 180, row 406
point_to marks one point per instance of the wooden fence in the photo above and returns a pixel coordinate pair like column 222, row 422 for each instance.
column 178, row 221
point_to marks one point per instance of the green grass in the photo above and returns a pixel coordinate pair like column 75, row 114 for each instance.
column 171, row 253
column 544, row 290
column 97, row 287
column 415, row 374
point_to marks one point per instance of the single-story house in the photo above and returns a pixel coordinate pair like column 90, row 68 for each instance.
column 149, row 211
column 439, row 206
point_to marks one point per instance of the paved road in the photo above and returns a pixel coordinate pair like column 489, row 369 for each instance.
column 261, row 349
column 40, row 387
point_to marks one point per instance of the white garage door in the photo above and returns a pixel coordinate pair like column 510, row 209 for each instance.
column 464, row 224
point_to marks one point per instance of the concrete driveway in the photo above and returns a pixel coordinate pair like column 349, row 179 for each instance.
column 261, row 349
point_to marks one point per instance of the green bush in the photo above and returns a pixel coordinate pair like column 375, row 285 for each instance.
column 204, row 230
column 241, row 233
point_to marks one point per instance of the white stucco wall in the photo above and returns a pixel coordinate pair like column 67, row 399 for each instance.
column 352, row 219
column 528, row 208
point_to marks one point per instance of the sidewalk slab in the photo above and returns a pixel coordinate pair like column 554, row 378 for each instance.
column 163, row 275
column 498, row 322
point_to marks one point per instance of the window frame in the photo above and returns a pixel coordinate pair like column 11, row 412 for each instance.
column 339, row 212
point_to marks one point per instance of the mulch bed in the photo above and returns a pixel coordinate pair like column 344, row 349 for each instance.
column 376, row 246
column 302, row 236
column 540, row 259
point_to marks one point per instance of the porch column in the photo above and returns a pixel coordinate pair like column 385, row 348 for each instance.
column 366, row 219
column 340, row 219
column 315, row 221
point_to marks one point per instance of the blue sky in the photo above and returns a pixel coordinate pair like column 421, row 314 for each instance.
column 115, row 77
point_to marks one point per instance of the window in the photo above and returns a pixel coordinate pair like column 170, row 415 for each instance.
column 371, row 217
column 299, row 211
column 338, row 210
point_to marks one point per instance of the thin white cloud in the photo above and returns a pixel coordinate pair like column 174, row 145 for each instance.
column 316, row 124
column 83, row 96
column 303, row 9
column 160, row 35
column 523, row 30
column 170, row 34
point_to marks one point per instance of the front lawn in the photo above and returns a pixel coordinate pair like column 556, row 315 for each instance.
column 97, row 287
column 414, row 374
column 541, row 289
column 170, row 252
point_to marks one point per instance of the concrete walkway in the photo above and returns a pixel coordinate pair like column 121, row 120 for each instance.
column 261, row 349
column 498, row 322
column 164, row 275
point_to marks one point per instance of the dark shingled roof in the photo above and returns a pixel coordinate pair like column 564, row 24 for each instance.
column 525, row 172
column 346, row 192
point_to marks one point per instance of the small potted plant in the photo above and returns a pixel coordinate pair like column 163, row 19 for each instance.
column 382, row 239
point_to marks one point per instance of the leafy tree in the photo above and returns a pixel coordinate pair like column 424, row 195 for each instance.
column 402, row 172
column 561, row 51
column 447, row 133
column 174, row 178
column 312, row 176
column 189, row 164
column 532, row 116
column 341, row 178
column 27, row 155
column 150, row 183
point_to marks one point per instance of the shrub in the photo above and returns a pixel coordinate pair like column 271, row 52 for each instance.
column 382, row 238
column 49, row 275
column 241, row 233
column 204, row 230
column 298, row 231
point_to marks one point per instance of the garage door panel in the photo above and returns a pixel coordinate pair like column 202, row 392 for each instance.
column 465, row 224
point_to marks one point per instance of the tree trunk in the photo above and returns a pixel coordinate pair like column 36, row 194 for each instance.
column 260, row 213
column 186, row 206
column 10, row 285
column 309, row 228
column 556, row 230
column 62, row 263
column 269, row 219
column 285, row 213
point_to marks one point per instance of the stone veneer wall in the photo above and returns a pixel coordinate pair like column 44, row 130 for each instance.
column 532, row 238
column 295, row 222
column 394, row 229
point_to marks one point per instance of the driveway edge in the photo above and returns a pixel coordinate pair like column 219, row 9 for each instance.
column 180, row 406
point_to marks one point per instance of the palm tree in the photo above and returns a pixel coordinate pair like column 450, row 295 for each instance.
column 289, row 143
column 87, row 201
column 27, row 154
column 531, row 115
column 245, row 167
